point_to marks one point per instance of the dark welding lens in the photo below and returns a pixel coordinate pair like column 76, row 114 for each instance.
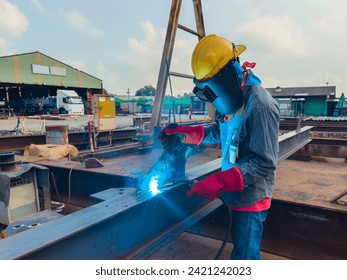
column 200, row 93
column 209, row 94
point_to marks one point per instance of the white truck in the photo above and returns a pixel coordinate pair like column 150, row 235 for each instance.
column 69, row 102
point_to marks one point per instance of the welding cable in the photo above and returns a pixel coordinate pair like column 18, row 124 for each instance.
column 57, row 206
column 16, row 129
column 69, row 186
column 82, row 141
column 227, row 233
column 54, row 183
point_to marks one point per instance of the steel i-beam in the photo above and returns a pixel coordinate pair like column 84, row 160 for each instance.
column 125, row 224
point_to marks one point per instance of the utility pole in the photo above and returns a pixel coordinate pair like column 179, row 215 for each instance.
column 128, row 92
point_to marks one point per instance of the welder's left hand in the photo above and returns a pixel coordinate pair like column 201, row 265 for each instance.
column 210, row 188
column 192, row 134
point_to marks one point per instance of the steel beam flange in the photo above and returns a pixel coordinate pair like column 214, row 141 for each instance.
column 291, row 142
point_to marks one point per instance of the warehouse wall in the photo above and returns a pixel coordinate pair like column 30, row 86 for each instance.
column 315, row 107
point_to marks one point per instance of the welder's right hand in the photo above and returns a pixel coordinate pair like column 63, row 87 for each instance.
column 192, row 134
column 230, row 180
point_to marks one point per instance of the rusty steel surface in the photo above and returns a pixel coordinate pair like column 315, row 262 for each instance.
column 127, row 165
column 199, row 20
column 327, row 125
column 305, row 233
column 340, row 199
column 329, row 141
column 324, row 150
column 19, row 142
column 312, row 183
column 132, row 164
column 328, row 135
column 180, row 26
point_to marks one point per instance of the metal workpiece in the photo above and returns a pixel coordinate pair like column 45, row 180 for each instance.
column 111, row 229
column 7, row 161
column 80, row 138
column 169, row 167
column 303, row 232
column 325, row 124
column 339, row 198
column 293, row 141
column 124, row 224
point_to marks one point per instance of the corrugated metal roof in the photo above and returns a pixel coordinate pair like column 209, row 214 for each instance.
column 36, row 68
column 303, row 91
column 331, row 119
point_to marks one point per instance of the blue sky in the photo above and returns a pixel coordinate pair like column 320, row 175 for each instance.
column 294, row 43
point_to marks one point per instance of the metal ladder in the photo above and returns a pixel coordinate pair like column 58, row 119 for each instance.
column 164, row 71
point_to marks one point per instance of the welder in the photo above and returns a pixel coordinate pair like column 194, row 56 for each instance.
column 247, row 126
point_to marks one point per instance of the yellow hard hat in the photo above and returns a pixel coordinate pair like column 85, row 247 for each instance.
column 211, row 54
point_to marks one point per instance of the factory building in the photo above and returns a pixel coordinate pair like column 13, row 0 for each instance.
column 36, row 75
column 341, row 107
column 308, row 101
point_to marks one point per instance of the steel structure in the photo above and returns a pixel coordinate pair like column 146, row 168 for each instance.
column 127, row 224
column 19, row 142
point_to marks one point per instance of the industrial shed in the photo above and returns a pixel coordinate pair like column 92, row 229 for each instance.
column 34, row 75
column 308, row 101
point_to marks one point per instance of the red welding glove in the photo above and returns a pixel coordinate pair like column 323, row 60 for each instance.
column 230, row 180
column 192, row 134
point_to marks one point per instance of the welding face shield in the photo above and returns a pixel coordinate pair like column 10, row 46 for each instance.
column 223, row 90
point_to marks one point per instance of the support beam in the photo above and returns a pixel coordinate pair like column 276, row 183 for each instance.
column 293, row 141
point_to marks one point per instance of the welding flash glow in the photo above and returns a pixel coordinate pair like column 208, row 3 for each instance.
column 153, row 184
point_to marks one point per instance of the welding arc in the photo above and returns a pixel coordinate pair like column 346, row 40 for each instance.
column 227, row 233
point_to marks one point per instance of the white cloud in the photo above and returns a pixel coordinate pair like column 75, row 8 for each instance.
column 101, row 67
column 4, row 50
column 143, row 55
column 13, row 23
column 78, row 21
column 142, row 61
column 149, row 30
column 76, row 64
column 331, row 26
column 38, row 5
column 275, row 36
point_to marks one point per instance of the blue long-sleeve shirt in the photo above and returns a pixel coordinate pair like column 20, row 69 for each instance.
column 257, row 146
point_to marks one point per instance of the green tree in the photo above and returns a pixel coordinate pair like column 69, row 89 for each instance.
column 188, row 94
column 146, row 91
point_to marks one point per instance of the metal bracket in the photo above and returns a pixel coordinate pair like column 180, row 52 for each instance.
column 337, row 198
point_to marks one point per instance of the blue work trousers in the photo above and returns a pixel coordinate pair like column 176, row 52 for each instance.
column 246, row 234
